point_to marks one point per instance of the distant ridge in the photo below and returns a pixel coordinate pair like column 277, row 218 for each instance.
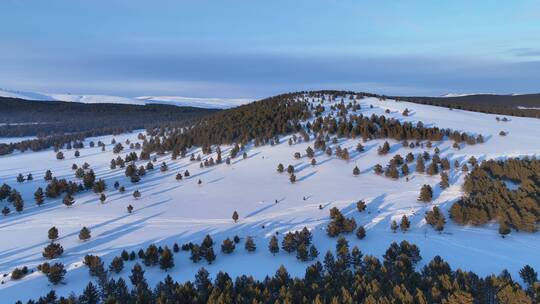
column 207, row 103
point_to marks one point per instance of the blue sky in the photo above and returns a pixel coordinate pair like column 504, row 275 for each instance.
column 259, row 48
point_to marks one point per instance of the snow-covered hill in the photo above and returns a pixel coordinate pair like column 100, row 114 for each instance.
column 208, row 103
column 172, row 211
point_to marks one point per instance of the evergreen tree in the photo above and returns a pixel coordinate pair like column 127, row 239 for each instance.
column 361, row 233
column 420, row 166
column 302, row 252
column 250, row 244
column 405, row 170
column 56, row 273
column 361, row 206
column 90, row 295
column 20, row 178
column 166, row 259
column 151, row 255
column 378, row 169
column 130, row 209
column 309, row 152
column 273, row 246
column 444, row 181
column 209, row 255
column 102, row 198
column 313, row 252
column 405, row 224
column 18, row 203
column 292, row 178
column 356, row 171
column 528, row 275
column 48, row 175
column 228, row 246
column 394, row 226
column 52, row 251
column 68, row 200
column 136, row 194
column 137, row 275
column 504, row 229
column 53, row 233
column 84, row 234
column 426, row 194
column 39, row 197
column 235, row 216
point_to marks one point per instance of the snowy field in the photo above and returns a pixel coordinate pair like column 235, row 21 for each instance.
column 172, row 211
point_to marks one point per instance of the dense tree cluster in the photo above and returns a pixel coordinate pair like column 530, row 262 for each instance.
column 339, row 223
column 345, row 276
column 56, row 117
column 505, row 191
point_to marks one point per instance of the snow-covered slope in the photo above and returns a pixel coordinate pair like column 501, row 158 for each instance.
column 172, row 211
column 208, row 103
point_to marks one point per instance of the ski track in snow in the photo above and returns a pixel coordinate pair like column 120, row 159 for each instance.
column 172, row 211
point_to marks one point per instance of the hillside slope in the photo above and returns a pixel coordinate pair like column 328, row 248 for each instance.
column 171, row 211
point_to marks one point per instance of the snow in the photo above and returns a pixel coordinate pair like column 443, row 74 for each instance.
column 465, row 94
column 172, row 211
column 208, row 103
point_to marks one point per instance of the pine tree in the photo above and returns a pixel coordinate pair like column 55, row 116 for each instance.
column 273, row 246
column 394, row 226
column 235, row 216
column 405, row 224
column 361, row 206
column 68, row 200
column 302, row 252
column 53, row 233
column 420, row 166
column 39, row 196
column 84, row 234
column 18, row 203
column 56, row 273
column 426, row 194
column 136, row 194
column 444, row 181
column 6, row 211
column 504, row 229
column 20, row 178
column 228, row 246
column 209, row 255
column 361, row 233
column 309, row 152
column 117, row 264
column 137, row 275
column 280, row 168
column 52, row 251
column 292, row 178
column 528, row 275
column 378, row 169
column 166, row 259
column 102, row 198
column 129, row 209
column 48, row 175
column 250, row 244
column 405, row 170
column 313, row 162
column 356, row 171
column 313, row 252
